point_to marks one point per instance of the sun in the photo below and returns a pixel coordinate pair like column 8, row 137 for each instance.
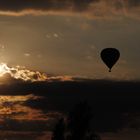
column 3, row 69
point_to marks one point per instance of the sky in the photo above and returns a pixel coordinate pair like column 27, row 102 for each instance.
column 66, row 37
column 50, row 60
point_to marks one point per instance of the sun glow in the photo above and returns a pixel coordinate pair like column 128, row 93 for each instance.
column 3, row 69
column 19, row 72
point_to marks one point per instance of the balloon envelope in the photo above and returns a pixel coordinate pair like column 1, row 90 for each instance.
column 110, row 56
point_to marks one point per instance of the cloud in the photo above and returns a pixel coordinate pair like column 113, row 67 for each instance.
column 21, row 73
column 16, row 5
column 27, row 54
column 111, row 100
column 89, row 8
column 134, row 2
column 18, row 135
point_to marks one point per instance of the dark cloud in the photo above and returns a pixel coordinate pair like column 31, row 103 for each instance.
column 134, row 2
column 86, row 8
column 113, row 102
column 57, row 5
column 26, row 126
column 16, row 5
column 16, row 135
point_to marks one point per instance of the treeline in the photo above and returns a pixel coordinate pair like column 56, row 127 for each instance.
column 77, row 125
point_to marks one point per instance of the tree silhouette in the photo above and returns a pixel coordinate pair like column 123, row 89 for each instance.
column 59, row 130
column 79, row 121
column 77, row 126
column 92, row 136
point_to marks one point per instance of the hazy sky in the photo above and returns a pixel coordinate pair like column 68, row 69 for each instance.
column 66, row 37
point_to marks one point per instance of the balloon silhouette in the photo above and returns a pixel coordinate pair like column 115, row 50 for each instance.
column 110, row 56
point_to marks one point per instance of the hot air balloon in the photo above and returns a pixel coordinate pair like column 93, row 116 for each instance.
column 110, row 56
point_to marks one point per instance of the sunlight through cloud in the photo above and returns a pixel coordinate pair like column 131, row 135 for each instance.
column 24, row 74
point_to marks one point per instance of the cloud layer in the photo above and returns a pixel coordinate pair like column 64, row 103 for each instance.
column 115, row 105
column 16, row 5
column 78, row 5
column 91, row 8
column 21, row 73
